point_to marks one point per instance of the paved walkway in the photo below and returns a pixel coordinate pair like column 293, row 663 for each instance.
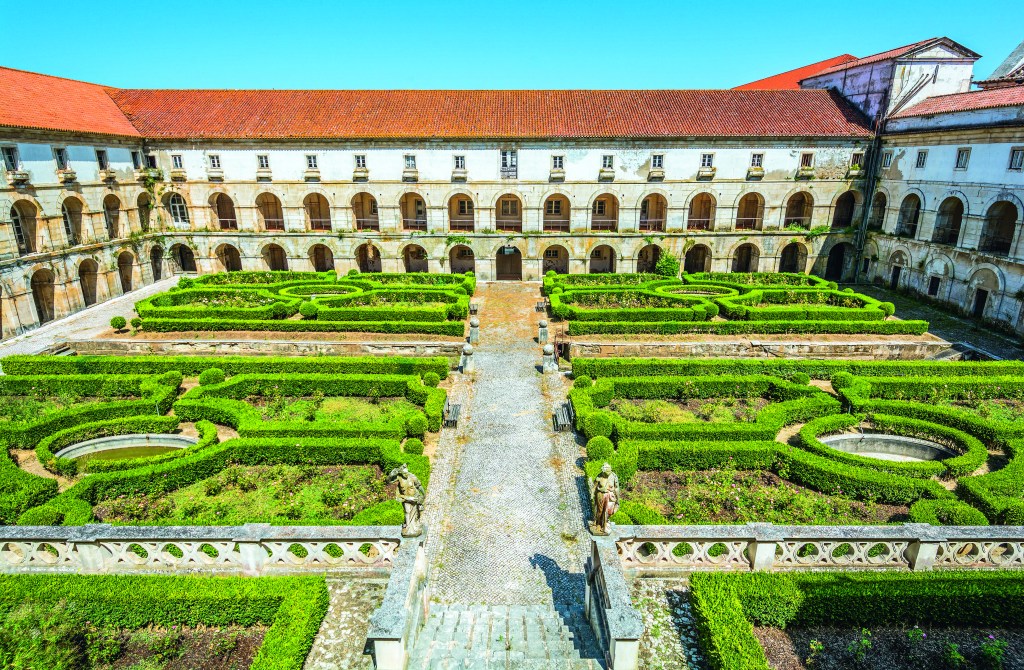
column 90, row 322
column 511, row 521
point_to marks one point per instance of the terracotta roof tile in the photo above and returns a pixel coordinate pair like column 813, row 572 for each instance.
column 790, row 79
column 962, row 102
column 31, row 100
column 487, row 114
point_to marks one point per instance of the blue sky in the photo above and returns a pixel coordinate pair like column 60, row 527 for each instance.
column 552, row 44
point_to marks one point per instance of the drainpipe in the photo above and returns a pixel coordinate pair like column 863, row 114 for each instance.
column 871, row 180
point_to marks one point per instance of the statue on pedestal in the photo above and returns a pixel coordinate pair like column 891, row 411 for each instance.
column 410, row 493
column 606, row 499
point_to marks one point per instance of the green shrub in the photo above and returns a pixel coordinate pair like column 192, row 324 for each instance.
column 136, row 323
column 598, row 424
column 582, row 382
column 416, row 425
column 1013, row 515
column 211, row 376
column 186, row 282
column 431, row 379
column 44, row 515
column 667, row 265
column 800, row 378
column 946, row 513
column 308, row 310
column 887, row 308
column 599, row 448
column 414, row 446
column 118, row 323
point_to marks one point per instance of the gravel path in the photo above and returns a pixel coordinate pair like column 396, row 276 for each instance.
column 512, row 529
column 89, row 322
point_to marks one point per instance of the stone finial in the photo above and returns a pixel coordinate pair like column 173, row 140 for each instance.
column 542, row 323
column 467, row 350
column 542, row 332
column 468, row 365
column 549, row 349
column 550, row 360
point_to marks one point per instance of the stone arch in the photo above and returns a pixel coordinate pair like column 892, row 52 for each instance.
column 997, row 233
column 88, row 281
column 229, row 258
column 223, row 208
column 604, row 213
column 653, row 211
column 840, row 263
column 413, row 208
column 368, row 258
column 879, row 207
column 42, row 285
column 156, row 261
column 23, row 215
column 461, row 259
column 985, row 282
column 746, row 257
column 144, row 207
column 647, row 258
column 508, row 212
column 317, row 211
column 72, row 209
column 414, row 258
column 602, row 259
column 125, row 270
column 321, row 257
column 274, row 257
column 909, row 215
column 750, row 211
column 793, row 258
column 112, row 216
column 176, row 207
column 701, row 211
column 508, row 263
column 183, row 258
column 269, row 211
column 948, row 221
column 697, row 259
column 556, row 257
column 799, row 209
column 461, row 206
column 558, row 214
column 843, row 209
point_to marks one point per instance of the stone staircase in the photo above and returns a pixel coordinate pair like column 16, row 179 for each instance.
column 493, row 637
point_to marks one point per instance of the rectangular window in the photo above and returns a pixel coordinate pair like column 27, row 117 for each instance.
column 509, row 207
column 707, row 160
column 558, row 162
column 373, row 207
column 658, row 161
column 214, row 161
column 137, row 160
column 151, row 161
column 61, row 156
column 757, row 160
column 460, row 162
column 465, row 207
column 887, row 159
column 922, row 158
column 857, row 159
column 176, row 161
column 807, row 160
column 101, row 159
column 311, row 162
column 361, row 161
column 551, row 253
column 963, row 157
column 933, row 286
column 607, row 162
column 263, row 161
column 553, row 207
column 410, row 162
column 509, row 160
column 10, row 158
column 1016, row 159
column 599, row 207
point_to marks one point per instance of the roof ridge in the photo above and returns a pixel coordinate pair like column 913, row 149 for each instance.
column 53, row 76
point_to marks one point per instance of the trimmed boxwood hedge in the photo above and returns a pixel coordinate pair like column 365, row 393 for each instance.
column 727, row 606
column 192, row 366
column 448, row 328
column 207, row 437
column 49, row 446
column 750, row 327
column 291, row 607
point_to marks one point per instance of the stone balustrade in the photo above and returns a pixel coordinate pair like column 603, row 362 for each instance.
column 654, row 550
column 252, row 549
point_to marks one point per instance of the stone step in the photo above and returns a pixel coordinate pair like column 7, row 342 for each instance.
column 493, row 637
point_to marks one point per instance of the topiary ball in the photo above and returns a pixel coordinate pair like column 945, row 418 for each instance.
column 414, row 446
column 712, row 309
column 308, row 309
column 416, row 425
column 211, row 376
column 136, row 323
column 550, row 273
column 887, row 308
column 597, row 424
column 118, row 323
column 431, row 379
column 353, row 272
column 600, row 448
column 279, row 310
column 582, row 382
column 800, row 378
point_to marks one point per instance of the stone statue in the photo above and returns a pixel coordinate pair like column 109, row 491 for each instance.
column 410, row 493
column 606, row 499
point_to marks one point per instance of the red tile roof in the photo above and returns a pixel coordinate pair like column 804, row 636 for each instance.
column 30, row 100
column 962, row 102
column 487, row 114
column 897, row 53
column 791, row 78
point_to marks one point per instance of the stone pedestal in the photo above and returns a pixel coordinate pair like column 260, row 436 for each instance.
column 542, row 332
column 550, row 361
column 468, row 365
column 474, row 330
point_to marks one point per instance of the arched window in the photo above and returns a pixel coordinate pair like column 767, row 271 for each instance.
column 318, row 212
column 24, row 229
column 269, row 208
column 72, row 216
column 750, row 214
column 1000, row 224
column 702, row 213
column 878, row 205
column 177, row 208
column 948, row 221
column 112, row 216
column 910, row 212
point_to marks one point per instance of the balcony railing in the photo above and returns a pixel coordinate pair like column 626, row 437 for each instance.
column 273, row 224
column 748, row 223
column 320, row 225
column 510, row 225
column 652, row 225
column 604, row 224
column 699, row 224
column 997, row 245
column 372, row 223
column 946, row 236
column 797, row 222
column 556, row 225
column 417, row 223
column 510, row 173
column 462, row 225
column 228, row 224
column 906, row 230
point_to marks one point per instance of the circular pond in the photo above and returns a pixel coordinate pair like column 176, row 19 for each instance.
column 888, row 447
column 117, row 447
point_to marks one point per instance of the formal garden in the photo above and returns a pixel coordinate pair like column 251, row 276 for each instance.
column 284, row 441
column 717, row 303
column 435, row 304
column 704, row 441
